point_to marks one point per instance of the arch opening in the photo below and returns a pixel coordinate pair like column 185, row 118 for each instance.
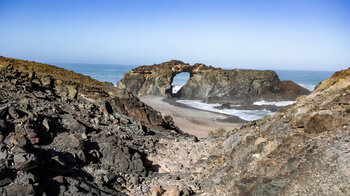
column 178, row 82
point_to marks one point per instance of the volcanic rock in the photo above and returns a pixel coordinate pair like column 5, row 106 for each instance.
column 25, row 161
column 51, row 144
column 127, row 147
column 72, row 124
column 300, row 150
column 70, row 86
column 303, row 156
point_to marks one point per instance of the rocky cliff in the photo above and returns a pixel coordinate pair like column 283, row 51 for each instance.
column 54, row 143
column 301, row 150
column 63, row 133
column 210, row 84
column 71, row 86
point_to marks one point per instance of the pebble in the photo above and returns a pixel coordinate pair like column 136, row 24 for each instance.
column 172, row 191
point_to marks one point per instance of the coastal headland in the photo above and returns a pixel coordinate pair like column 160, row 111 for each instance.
column 210, row 84
column 63, row 133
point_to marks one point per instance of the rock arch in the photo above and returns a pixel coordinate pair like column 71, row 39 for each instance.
column 210, row 84
column 156, row 79
column 175, row 82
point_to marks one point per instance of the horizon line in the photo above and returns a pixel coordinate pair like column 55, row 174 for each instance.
column 137, row 65
column 216, row 66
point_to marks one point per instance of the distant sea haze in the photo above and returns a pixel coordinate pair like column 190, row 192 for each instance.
column 113, row 73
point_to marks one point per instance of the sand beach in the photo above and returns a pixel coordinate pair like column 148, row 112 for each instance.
column 190, row 120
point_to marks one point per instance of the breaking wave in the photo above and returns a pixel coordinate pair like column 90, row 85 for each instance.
column 176, row 88
column 309, row 87
column 277, row 103
column 243, row 114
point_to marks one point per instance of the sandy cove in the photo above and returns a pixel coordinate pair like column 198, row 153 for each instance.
column 190, row 120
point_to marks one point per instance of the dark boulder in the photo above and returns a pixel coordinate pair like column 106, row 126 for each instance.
column 120, row 158
column 19, row 189
column 72, row 124
column 25, row 161
column 3, row 111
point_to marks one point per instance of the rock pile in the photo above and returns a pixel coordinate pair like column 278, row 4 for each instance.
column 56, row 140
column 59, row 137
column 69, row 85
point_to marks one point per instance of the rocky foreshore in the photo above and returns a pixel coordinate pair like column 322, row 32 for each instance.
column 303, row 149
column 63, row 133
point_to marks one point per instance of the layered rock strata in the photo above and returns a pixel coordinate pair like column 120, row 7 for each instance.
column 210, row 84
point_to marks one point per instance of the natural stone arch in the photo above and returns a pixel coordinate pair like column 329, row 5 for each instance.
column 156, row 79
column 210, row 84
column 178, row 94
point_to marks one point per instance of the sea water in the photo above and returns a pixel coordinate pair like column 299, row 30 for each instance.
column 101, row 72
column 243, row 114
column 306, row 79
column 180, row 80
column 113, row 73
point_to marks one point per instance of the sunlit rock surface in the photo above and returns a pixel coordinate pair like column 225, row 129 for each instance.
column 210, row 84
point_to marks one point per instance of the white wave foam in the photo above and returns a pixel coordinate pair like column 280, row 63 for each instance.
column 309, row 87
column 278, row 103
column 176, row 88
column 243, row 114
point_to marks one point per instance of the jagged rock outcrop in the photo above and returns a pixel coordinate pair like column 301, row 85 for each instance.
column 70, row 86
column 301, row 150
column 69, row 138
column 64, row 144
column 210, row 84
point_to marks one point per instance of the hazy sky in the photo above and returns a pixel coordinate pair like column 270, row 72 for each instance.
column 261, row 34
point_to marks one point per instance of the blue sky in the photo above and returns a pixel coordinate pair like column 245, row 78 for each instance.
column 269, row 34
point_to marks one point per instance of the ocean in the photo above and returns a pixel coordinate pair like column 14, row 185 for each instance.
column 113, row 73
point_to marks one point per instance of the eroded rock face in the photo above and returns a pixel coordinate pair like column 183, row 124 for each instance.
column 80, row 140
column 302, row 149
column 70, row 86
column 210, row 84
